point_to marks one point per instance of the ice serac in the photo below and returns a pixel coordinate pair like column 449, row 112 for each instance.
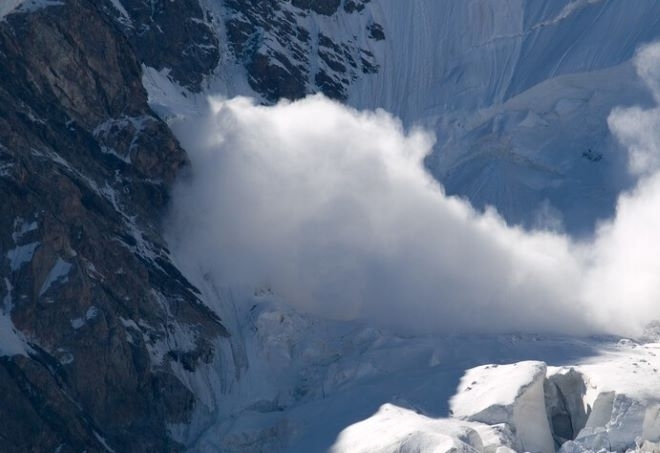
column 397, row 430
column 509, row 394
column 618, row 423
column 623, row 412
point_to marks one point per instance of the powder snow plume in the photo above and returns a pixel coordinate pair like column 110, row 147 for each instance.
column 333, row 209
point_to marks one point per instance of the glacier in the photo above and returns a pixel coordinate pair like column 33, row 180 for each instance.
column 298, row 383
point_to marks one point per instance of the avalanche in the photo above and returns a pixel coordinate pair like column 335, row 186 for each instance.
column 519, row 97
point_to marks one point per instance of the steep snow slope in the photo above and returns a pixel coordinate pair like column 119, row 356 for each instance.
column 517, row 91
column 477, row 73
column 462, row 56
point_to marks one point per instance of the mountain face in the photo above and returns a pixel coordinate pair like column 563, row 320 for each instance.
column 105, row 345
column 515, row 91
column 95, row 309
column 288, row 52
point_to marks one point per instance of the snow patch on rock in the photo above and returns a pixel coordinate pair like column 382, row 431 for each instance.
column 11, row 339
column 21, row 254
column 59, row 272
column 14, row 6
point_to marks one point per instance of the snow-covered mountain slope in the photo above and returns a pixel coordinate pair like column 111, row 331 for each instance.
column 464, row 56
column 518, row 94
column 517, row 91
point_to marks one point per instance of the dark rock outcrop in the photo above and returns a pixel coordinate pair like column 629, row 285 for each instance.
column 325, row 7
column 285, row 57
column 87, row 279
column 176, row 36
column 100, row 323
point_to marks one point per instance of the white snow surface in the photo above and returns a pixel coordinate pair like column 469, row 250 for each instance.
column 21, row 254
column 125, row 17
column 394, row 428
column 494, row 385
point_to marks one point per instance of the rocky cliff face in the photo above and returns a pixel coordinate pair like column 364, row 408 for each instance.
column 95, row 315
column 288, row 49
column 96, row 319
column 178, row 36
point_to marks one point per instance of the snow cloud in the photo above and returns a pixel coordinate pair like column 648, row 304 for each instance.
column 332, row 208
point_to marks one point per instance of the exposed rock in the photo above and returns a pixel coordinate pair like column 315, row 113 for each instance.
column 351, row 6
column 84, row 170
column 376, row 31
column 325, row 7
column 286, row 53
column 178, row 36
